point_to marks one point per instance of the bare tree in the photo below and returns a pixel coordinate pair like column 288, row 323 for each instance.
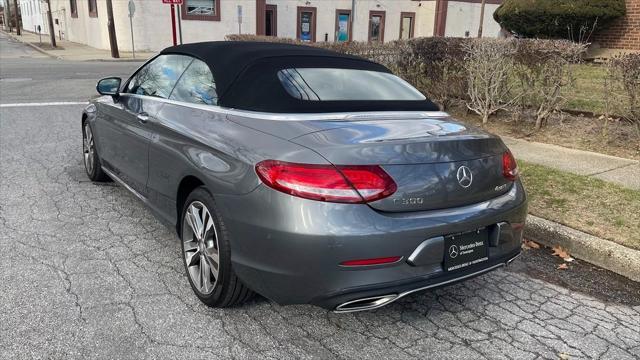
column 545, row 69
column 489, row 65
column 624, row 77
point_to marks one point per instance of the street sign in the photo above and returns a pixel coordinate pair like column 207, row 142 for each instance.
column 132, row 8
column 172, row 2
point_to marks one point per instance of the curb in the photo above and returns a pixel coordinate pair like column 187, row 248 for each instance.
column 604, row 253
column 35, row 47
column 45, row 52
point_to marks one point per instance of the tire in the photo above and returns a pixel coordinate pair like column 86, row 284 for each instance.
column 92, row 164
column 219, row 287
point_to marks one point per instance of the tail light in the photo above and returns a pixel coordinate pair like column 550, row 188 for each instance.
column 341, row 184
column 509, row 166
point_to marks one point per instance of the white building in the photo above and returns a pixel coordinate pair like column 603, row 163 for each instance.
column 33, row 16
column 85, row 21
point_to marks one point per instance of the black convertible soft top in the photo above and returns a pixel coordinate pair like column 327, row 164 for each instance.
column 246, row 76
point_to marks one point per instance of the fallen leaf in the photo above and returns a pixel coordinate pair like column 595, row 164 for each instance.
column 559, row 251
column 563, row 266
column 528, row 244
column 564, row 356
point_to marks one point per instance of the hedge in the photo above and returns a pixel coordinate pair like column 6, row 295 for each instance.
column 566, row 19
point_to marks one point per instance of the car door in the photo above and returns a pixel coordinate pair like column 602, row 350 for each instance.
column 173, row 128
column 126, row 129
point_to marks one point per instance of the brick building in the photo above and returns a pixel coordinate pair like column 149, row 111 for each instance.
column 624, row 33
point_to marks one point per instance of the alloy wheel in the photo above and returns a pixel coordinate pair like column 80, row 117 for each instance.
column 200, row 247
column 88, row 148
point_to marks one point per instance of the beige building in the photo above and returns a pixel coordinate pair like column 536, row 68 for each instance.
column 85, row 21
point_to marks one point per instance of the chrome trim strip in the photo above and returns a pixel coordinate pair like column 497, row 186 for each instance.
column 513, row 258
column 418, row 250
column 124, row 184
column 355, row 116
column 401, row 295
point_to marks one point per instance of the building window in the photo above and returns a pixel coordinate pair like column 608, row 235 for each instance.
column 73, row 8
column 376, row 26
column 201, row 10
column 407, row 25
column 93, row 8
column 306, row 24
column 343, row 25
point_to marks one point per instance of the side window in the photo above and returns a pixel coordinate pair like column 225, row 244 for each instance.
column 158, row 77
column 196, row 85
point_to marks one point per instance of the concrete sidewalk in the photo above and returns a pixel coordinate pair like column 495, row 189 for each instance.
column 68, row 50
column 624, row 172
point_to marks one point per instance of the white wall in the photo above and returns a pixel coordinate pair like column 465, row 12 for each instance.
column 464, row 16
column 152, row 21
column 32, row 16
column 83, row 29
column 151, row 24
column 425, row 18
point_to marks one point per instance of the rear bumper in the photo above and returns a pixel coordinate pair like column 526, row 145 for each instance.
column 289, row 249
column 367, row 298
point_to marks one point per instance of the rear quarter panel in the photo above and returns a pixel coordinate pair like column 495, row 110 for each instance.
column 190, row 141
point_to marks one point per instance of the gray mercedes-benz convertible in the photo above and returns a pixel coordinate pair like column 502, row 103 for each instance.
column 305, row 175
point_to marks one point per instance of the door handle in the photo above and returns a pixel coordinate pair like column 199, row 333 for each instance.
column 143, row 117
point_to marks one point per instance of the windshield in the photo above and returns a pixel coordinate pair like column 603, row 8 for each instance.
column 333, row 84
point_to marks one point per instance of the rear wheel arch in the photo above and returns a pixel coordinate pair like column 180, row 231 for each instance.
column 186, row 186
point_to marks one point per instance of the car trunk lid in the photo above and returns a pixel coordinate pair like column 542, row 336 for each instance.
column 436, row 162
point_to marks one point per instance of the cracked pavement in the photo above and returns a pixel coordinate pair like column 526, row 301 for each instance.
column 88, row 272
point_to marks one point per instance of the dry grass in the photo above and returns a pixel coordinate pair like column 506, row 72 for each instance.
column 591, row 205
column 586, row 94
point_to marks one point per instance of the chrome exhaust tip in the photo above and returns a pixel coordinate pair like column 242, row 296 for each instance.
column 369, row 303
column 513, row 258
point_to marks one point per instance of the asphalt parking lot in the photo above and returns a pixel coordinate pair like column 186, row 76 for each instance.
column 88, row 272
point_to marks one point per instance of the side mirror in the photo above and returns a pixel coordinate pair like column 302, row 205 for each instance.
column 109, row 86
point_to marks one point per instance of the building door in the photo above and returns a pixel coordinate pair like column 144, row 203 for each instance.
column 343, row 26
column 376, row 26
column 306, row 27
column 407, row 25
column 271, row 20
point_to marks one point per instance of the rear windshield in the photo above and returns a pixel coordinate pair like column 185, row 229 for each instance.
column 335, row 84
column 321, row 84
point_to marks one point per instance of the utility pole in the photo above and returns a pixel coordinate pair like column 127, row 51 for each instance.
column 7, row 16
column 481, row 18
column 113, row 42
column 15, row 7
column 50, row 21
column 353, row 16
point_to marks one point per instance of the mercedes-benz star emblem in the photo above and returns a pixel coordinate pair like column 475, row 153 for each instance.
column 465, row 177
column 453, row 251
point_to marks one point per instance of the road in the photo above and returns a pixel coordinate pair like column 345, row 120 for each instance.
column 88, row 272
